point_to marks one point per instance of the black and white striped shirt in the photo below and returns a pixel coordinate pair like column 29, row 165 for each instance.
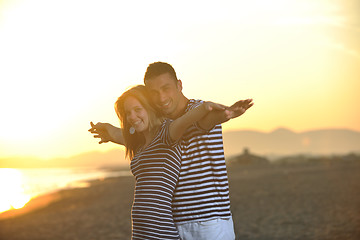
column 156, row 170
column 202, row 192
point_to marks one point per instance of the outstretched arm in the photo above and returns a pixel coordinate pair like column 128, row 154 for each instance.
column 107, row 133
column 220, row 116
column 177, row 127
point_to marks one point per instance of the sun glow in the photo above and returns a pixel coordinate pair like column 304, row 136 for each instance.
column 58, row 74
column 12, row 190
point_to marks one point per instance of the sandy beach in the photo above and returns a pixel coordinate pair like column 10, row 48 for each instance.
column 303, row 201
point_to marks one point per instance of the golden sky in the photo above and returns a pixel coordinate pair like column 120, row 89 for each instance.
column 64, row 63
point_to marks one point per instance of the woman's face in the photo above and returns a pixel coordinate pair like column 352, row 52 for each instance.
column 136, row 114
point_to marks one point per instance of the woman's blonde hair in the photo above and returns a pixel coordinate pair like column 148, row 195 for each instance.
column 134, row 141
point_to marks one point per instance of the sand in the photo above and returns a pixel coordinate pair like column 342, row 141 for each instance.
column 304, row 201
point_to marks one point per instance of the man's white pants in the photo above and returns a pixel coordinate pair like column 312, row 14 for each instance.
column 216, row 229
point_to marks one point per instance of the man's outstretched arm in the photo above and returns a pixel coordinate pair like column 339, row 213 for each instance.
column 216, row 117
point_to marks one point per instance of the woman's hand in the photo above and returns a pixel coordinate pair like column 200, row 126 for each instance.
column 101, row 130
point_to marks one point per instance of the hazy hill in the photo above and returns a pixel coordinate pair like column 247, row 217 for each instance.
column 286, row 142
column 274, row 144
column 113, row 157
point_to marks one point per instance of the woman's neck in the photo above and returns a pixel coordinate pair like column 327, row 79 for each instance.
column 148, row 139
column 149, row 134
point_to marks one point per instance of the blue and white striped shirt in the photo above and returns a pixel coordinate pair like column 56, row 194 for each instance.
column 156, row 170
column 202, row 192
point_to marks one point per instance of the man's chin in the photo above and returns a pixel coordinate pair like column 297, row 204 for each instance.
column 166, row 112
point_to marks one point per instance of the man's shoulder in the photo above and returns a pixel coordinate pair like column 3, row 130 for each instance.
column 193, row 103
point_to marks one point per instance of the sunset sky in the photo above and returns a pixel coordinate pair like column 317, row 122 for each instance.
column 64, row 63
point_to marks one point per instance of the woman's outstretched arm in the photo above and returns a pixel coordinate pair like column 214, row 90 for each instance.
column 107, row 133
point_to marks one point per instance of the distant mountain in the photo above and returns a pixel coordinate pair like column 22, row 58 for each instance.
column 113, row 157
column 286, row 142
column 274, row 144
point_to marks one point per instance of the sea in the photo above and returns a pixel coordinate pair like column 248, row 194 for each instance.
column 19, row 185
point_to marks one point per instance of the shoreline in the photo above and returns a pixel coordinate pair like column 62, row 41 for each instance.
column 267, row 202
column 39, row 184
column 45, row 200
column 96, row 212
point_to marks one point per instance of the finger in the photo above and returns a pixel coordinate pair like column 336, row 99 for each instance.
column 244, row 102
column 249, row 101
column 92, row 127
column 249, row 105
column 239, row 103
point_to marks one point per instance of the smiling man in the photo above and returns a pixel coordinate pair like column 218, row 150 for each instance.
column 201, row 204
column 165, row 89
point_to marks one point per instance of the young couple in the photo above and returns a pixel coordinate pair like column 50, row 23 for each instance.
column 177, row 157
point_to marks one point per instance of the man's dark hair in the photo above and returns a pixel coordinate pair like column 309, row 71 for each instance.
column 157, row 68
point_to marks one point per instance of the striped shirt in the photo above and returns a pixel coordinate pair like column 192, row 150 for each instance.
column 156, row 170
column 202, row 192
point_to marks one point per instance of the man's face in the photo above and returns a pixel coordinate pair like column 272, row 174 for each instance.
column 165, row 93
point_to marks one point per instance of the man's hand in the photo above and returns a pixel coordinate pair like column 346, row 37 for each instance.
column 238, row 108
column 219, row 113
column 100, row 130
